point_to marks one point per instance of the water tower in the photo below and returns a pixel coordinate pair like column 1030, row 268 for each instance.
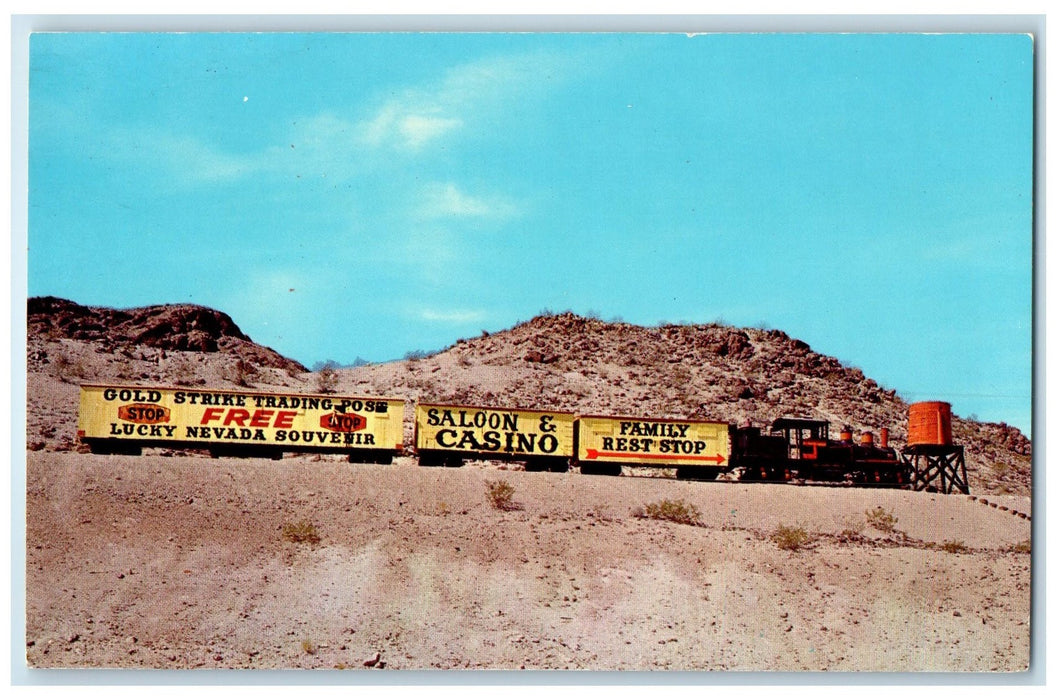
column 931, row 454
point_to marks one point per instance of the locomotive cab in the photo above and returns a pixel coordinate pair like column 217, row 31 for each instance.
column 803, row 436
column 810, row 452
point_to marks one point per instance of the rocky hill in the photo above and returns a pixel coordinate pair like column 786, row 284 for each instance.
column 186, row 327
column 556, row 361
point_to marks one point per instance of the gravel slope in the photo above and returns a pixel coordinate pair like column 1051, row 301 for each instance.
column 180, row 562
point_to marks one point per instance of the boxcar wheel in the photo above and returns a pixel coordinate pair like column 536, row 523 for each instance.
column 98, row 448
column 696, row 473
column 430, row 459
column 592, row 469
column 115, row 447
column 600, row 469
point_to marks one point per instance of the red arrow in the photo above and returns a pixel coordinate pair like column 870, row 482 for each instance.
column 595, row 454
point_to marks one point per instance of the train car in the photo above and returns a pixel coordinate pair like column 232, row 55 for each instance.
column 446, row 435
column 124, row 419
column 697, row 449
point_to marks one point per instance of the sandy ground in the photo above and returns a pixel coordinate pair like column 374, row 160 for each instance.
column 180, row 562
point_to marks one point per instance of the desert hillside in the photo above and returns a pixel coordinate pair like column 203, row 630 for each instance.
column 180, row 327
column 175, row 560
column 554, row 361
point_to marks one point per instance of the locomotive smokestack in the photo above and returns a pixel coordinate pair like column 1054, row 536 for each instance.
column 867, row 439
column 884, row 438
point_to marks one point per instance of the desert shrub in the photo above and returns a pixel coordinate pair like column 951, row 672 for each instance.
column 1023, row 547
column 327, row 377
column 954, row 547
column 415, row 355
column 853, row 525
column 308, row 646
column 881, row 519
column 677, row 511
column 301, row 532
column 791, row 538
column 500, row 494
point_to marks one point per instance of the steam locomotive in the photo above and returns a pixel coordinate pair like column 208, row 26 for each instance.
column 801, row 448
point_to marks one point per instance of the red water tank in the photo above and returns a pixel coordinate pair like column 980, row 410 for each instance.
column 930, row 423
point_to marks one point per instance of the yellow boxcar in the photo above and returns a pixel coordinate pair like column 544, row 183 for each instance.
column 124, row 418
column 697, row 448
column 446, row 434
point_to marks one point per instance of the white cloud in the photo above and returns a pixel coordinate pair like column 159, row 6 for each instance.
column 327, row 144
column 452, row 315
column 417, row 130
column 320, row 146
column 442, row 200
column 189, row 159
column 421, row 115
column 408, row 124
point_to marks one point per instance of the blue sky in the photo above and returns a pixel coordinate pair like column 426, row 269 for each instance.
column 365, row 195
